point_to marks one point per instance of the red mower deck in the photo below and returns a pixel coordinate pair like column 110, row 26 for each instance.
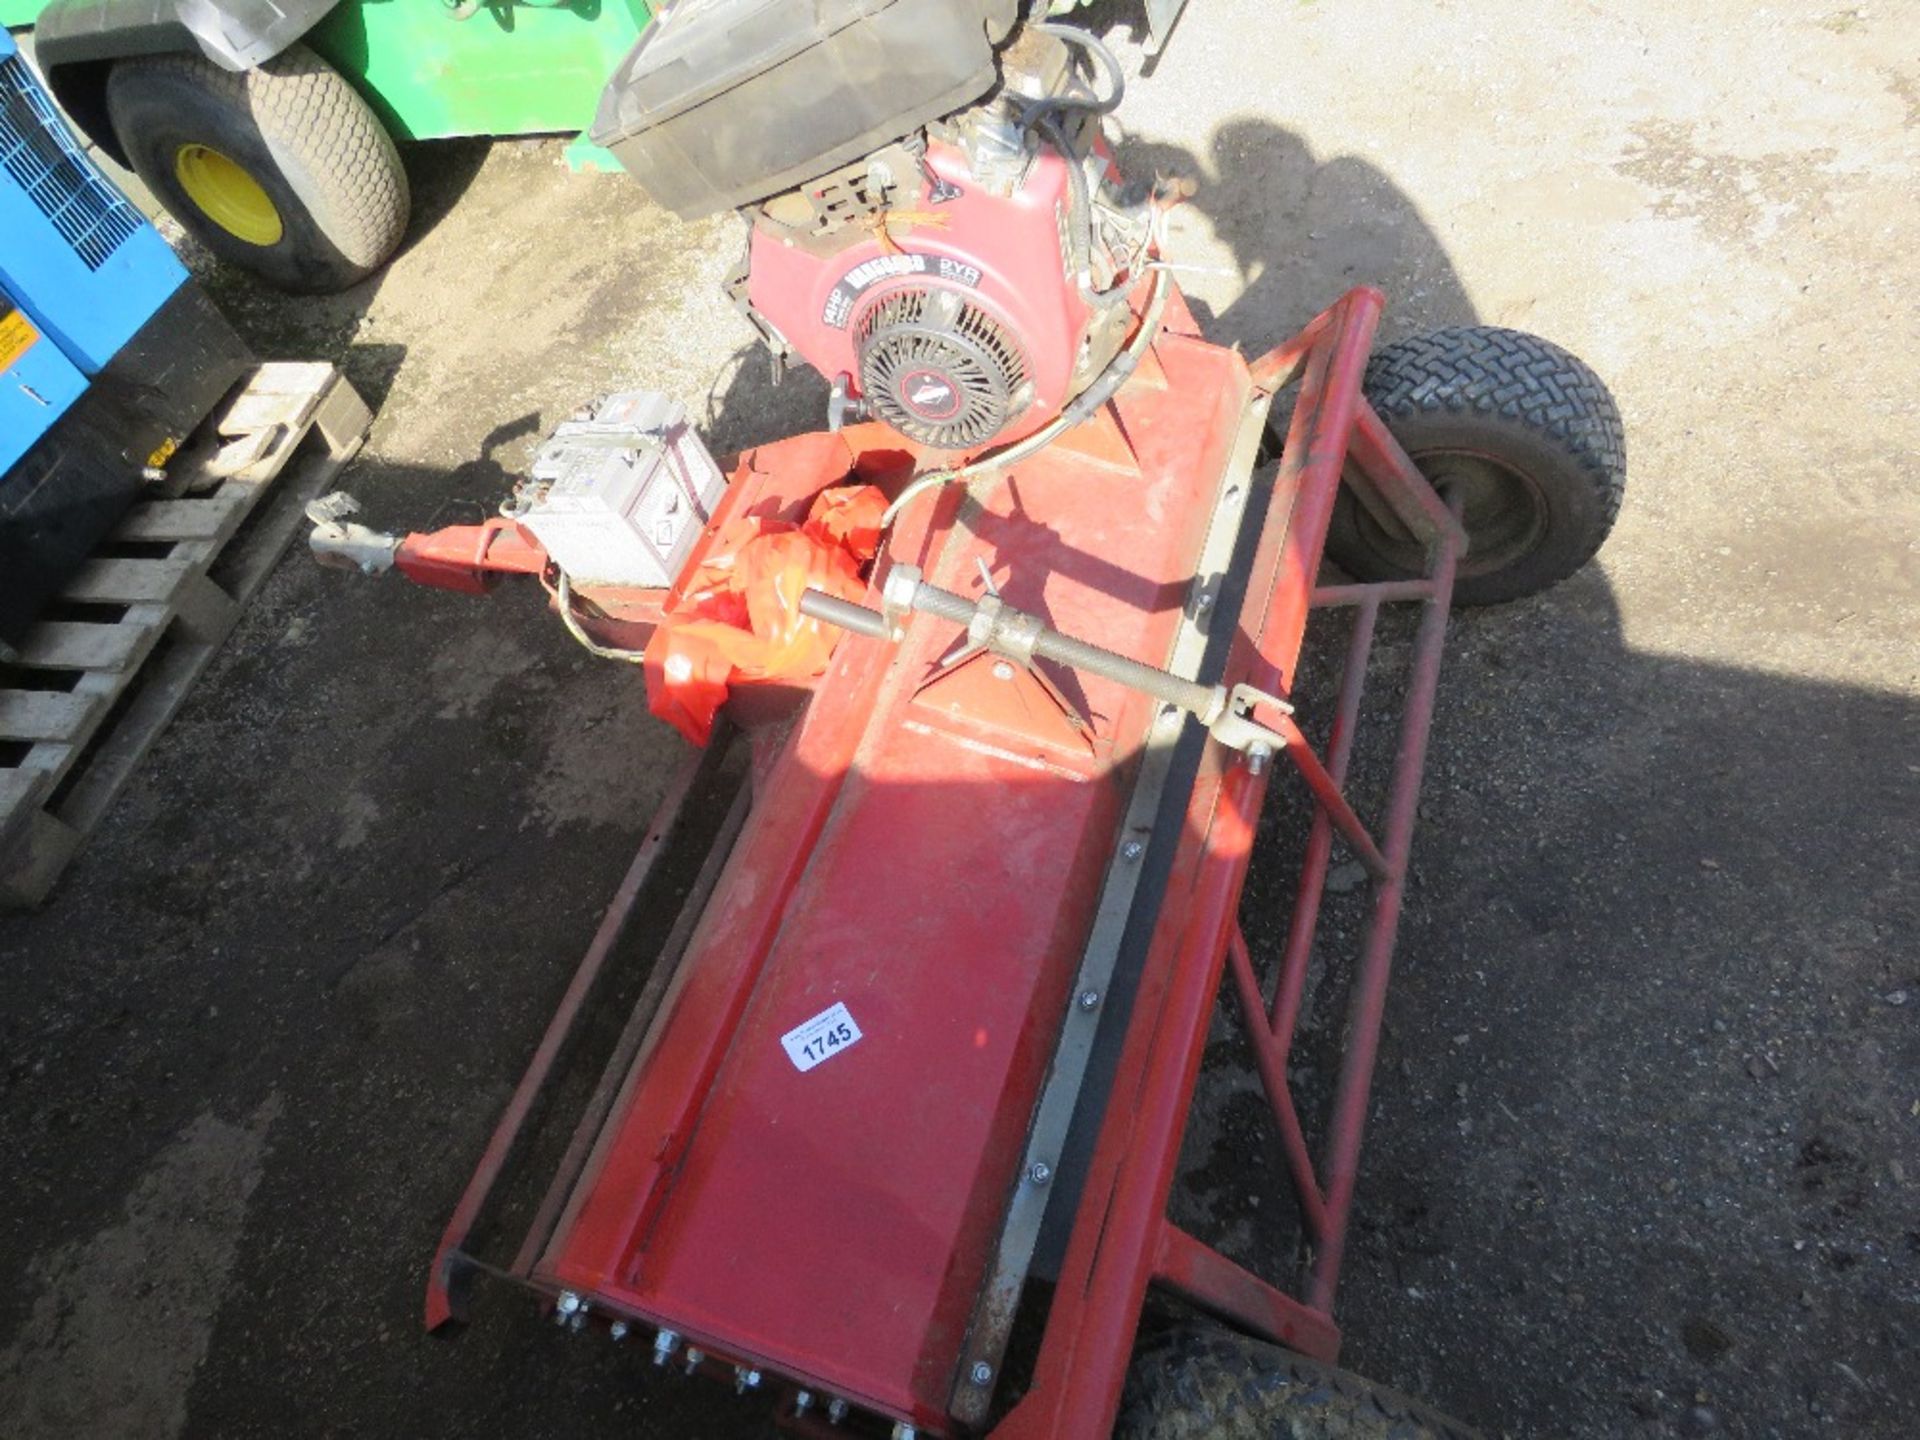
column 1004, row 901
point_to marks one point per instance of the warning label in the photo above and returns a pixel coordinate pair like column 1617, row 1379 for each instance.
column 17, row 335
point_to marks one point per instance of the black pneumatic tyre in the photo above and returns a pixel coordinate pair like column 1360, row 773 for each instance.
column 1530, row 435
column 1204, row 1382
column 283, row 170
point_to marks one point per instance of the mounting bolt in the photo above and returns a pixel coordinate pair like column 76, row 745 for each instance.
column 1041, row 1172
column 1203, row 602
column 1002, row 670
column 1258, row 753
column 745, row 1378
column 1089, row 999
column 617, row 1331
column 982, row 1372
column 695, row 1355
column 836, row 1411
column 802, row 1401
column 664, row 1344
column 1132, row 850
column 904, row 1431
column 565, row 1306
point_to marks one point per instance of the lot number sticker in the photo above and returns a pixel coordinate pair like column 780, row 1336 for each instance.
column 820, row 1038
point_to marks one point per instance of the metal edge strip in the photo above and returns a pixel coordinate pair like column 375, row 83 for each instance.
column 993, row 1314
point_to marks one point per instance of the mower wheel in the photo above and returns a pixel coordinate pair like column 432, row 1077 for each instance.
column 1526, row 434
column 1205, row 1382
column 282, row 169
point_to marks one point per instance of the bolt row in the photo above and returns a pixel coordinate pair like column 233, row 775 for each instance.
column 570, row 1310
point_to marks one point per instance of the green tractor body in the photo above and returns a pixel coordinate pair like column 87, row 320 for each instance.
column 433, row 72
column 268, row 127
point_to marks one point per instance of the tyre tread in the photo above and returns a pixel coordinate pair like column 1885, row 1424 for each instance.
column 1203, row 1380
column 1522, row 377
column 307, row 112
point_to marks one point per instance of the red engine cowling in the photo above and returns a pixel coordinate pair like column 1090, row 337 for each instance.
column 950, row 309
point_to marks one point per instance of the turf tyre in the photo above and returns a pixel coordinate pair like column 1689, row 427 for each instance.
column 1530, row 432
column 1204, row 1382
column 302, row 133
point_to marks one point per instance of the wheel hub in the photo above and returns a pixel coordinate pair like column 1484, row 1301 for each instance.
column 227, row 195
column 1501, row 509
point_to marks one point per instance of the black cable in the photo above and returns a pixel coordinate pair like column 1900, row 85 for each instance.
column 1098, row 105
column 1081, row 210
column 1040, row 115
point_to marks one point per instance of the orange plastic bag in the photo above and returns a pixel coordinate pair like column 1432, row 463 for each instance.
column 739, row 617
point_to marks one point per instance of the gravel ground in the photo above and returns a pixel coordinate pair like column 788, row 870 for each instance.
column 1646, row 1140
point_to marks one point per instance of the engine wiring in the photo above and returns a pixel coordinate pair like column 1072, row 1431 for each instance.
column 1042, row 115
column 562, row 592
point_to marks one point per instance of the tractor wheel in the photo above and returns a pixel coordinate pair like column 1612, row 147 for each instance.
column 1526, row 433
column 1204, row 1382
column 282, row 169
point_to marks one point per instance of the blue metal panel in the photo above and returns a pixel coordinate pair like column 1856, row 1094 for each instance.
column 82, row 262
column 37, row 383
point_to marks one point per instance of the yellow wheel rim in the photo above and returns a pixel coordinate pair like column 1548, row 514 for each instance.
column 227, row 195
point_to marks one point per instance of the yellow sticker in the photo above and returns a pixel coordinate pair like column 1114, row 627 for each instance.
column 17, row 336
column 165, row 453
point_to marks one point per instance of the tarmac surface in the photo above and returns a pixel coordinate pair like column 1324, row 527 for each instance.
column 1644, row 1154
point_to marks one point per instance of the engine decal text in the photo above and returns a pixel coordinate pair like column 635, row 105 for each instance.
column 839, row 306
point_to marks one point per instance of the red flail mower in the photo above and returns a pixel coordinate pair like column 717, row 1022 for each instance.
column 1004, row 663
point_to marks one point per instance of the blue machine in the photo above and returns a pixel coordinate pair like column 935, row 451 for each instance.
column 109, row 353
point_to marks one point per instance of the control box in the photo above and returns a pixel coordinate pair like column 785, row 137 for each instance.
column 618, row 494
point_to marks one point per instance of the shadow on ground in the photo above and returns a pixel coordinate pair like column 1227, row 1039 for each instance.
column 285, row 327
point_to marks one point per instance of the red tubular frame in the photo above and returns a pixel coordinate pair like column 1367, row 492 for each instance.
column 1122, row 1241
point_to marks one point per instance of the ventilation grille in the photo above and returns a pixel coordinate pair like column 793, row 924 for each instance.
column 39, row 154
column 916, row 335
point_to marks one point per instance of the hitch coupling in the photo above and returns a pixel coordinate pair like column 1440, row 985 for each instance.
column 339, row 542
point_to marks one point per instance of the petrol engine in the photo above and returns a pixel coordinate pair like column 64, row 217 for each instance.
column 968, row 272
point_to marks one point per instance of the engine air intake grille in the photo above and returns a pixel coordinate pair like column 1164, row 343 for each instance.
column 938, row 369
column 38, row 153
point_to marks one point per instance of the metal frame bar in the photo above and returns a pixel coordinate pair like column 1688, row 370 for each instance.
column 633, row 1038
column 1122, row 1242
column 452, row 1264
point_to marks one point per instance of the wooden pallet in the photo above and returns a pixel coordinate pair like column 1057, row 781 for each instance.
column 83, row 699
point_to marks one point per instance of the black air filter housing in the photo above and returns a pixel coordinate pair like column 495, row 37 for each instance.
column 939, row 369
column 725, row 102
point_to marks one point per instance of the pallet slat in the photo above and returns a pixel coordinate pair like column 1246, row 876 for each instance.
column 44, row 715
column 86, row 645
column 255, row 411
column 129, row 582
column 84, row 744
column 211, row 518
column 303, row 378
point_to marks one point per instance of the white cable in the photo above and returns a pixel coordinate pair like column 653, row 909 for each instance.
column 564, row 593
